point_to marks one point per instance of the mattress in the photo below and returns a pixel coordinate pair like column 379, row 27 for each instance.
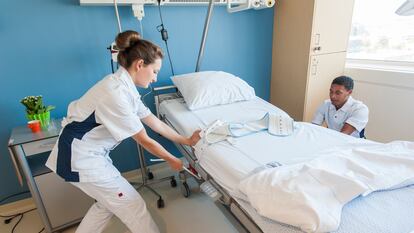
column 229, row 163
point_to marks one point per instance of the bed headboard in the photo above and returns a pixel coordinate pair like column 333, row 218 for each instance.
column 164, row 93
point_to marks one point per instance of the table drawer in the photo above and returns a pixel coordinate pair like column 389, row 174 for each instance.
column 39, row 146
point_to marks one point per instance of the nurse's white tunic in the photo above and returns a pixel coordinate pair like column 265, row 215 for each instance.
column 95, row 124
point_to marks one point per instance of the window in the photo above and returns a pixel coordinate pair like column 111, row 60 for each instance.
column 378, row 33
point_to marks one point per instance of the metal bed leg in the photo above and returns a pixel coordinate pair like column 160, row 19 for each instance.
column 185, row 189
column 147, row 175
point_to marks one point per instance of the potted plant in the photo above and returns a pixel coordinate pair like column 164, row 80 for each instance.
column 35, row 110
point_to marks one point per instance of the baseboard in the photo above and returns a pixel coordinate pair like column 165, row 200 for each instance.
column 16, row 207
column 28, row 203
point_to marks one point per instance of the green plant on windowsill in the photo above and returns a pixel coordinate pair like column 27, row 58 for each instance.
column 35, row 110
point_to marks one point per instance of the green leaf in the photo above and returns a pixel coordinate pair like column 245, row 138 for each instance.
column 34, row 105
column 49, row 108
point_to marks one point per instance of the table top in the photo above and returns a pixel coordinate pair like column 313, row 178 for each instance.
column 22, row 134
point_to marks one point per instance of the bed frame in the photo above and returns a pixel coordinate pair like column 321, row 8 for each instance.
column 171, row 92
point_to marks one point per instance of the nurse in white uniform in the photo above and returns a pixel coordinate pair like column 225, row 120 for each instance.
column 108, row 113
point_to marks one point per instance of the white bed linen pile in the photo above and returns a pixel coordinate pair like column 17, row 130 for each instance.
column 311, row 195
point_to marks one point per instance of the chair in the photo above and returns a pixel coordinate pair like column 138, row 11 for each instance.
column 362, row 134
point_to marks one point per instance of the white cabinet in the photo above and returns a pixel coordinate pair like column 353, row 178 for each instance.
column 331, row 26
column 64, row 203
column 323, row 68
column 310, row 39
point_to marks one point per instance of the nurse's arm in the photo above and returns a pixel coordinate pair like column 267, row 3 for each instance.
column 157, row 149
column 348, row 129
column 160, row 127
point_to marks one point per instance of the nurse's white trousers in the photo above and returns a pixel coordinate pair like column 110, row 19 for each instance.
column 118, row 197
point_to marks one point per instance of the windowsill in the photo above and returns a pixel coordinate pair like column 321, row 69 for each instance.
column 393, row 66
column 395, row 74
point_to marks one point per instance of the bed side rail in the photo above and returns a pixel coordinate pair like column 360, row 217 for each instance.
column 164, row 88
column 163, row 93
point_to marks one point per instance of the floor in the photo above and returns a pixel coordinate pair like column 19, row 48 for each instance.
column 198, row 213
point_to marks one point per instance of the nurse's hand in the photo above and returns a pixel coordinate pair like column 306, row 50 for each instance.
column 194, row 138
column 176, row 164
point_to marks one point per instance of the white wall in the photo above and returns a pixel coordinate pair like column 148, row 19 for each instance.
column 389, row 96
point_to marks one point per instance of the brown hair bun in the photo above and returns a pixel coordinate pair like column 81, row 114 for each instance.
column 126, row 39
column 131, row 48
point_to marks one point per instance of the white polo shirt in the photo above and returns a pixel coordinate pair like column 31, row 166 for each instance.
column 96, row 123
column 353, row 112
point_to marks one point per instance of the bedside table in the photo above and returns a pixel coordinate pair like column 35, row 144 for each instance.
column 59, row 203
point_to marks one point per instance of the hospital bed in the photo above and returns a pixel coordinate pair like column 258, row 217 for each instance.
column 224, row 165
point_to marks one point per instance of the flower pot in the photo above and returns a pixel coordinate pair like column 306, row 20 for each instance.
column 44, row 119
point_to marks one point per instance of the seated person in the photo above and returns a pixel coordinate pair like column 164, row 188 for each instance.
column 341, row 112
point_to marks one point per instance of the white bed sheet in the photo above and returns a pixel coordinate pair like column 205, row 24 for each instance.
column 228, row 165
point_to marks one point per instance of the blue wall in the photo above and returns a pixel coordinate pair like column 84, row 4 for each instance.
column 57, row 48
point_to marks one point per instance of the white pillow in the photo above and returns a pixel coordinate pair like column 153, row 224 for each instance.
column 209, row 88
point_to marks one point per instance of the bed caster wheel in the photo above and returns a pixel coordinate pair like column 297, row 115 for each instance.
column 173, row 183
column 150, row 175
column 185, row 190
column 160, row 203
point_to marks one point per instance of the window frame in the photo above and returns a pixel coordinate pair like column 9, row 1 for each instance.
column 376, row 64
column 386, row 65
